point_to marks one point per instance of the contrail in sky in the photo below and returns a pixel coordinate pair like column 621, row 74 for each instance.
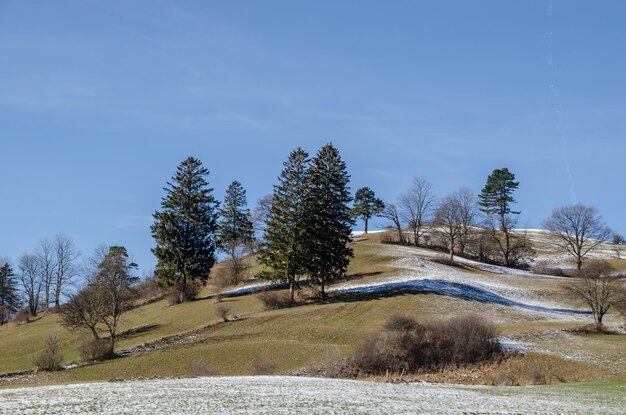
column 558, row 111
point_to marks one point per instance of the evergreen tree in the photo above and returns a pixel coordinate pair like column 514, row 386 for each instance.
column 366, row 205
column 496, row 197
column 328, row 218
column 185, row 230
column 283, row 249
column 9, row 298
column 235, row 227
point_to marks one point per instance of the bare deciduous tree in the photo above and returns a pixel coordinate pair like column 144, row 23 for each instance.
column 513, row 247
column 108, row 293
column 31, row 281
column 391, row 213
column 46, row 258
column 579, row 230
column 416, row 207
column 65, row 257
column 598, row 288
column 468, row 215
column 448, row 221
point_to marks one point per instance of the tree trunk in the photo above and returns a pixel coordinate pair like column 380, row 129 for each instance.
column 452, row 254
column 366, row 220
column 292, row 291
column 322, row 291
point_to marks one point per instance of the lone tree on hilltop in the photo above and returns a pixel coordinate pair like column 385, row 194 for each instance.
column 284, row 239
column 328, row 219
column 497, row 195
column 9, row 298
column 234, row 226
column 417, row 206
column 366, row 205
column 579, row 230
column 185, row 230
column 495, row 201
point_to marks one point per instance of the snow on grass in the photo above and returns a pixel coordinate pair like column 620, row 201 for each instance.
column 424, row 276
column 291, row 395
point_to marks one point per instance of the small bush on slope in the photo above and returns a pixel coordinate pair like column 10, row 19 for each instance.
column 50, row 357
column 413, row 348
column 274, row 300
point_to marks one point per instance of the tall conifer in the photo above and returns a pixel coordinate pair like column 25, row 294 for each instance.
column 328, row 218
column 9, row 299
column 283, row 249
column 185, row 230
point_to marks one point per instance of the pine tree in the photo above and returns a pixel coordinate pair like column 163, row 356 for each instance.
column 283, row 250
column 9, row 299
column 328, row 218
column 185, row 230
column 496, row 197
column 235, row 228
column 366, row 205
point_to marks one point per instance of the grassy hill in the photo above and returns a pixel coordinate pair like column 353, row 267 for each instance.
column 287, row 340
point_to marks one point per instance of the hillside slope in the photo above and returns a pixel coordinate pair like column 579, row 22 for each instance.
column 529, row 310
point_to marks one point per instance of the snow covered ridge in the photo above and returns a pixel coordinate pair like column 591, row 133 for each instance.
column 295, row 395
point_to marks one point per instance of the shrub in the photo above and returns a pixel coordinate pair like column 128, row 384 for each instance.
column 22, row 316
column 95, row 349
column 406, row 346
column 400, row 323
column 274, row 300
column 222, row 310
column 263, row 365
column 50, row 357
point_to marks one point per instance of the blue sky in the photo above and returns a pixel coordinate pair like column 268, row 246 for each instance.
column 100, row 100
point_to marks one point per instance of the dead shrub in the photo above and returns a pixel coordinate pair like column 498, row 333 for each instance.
column 427, row 347
column 22, row 316
column 50, row 357
column 222, row 310
column 95, row 349
column 263, row 365
column 273, row 300
column 400, row 323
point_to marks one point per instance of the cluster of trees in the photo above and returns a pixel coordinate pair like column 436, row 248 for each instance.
column 42, row 279
column 310, row 222
column 483, row 226
column 192, row 225
column 306, row 224
column 460, row 222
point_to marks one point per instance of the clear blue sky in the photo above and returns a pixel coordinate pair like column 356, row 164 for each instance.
column 100, row 100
